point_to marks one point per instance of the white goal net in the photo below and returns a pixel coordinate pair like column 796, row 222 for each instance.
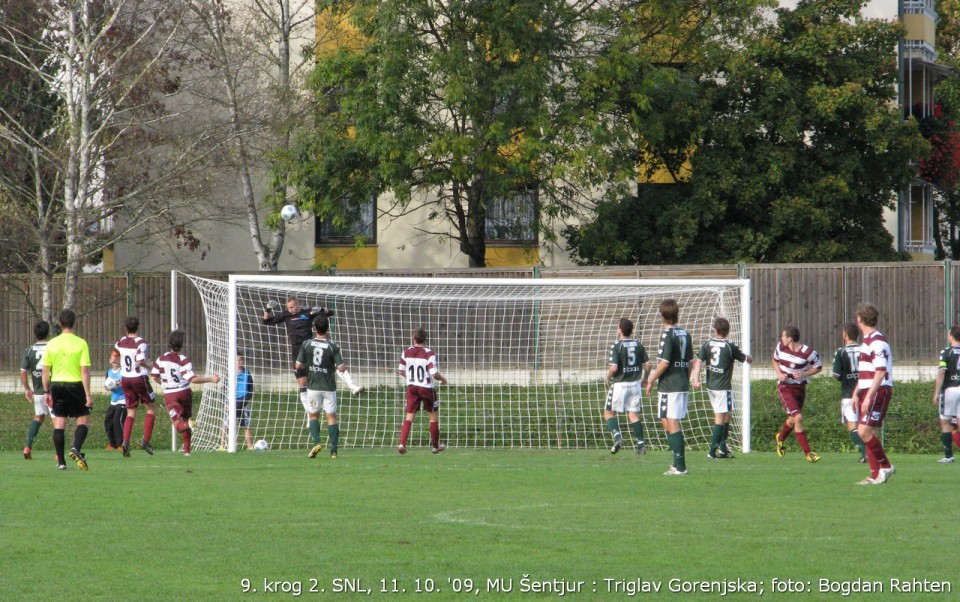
column 525, row 358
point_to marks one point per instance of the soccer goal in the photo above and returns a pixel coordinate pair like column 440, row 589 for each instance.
column 525, row 358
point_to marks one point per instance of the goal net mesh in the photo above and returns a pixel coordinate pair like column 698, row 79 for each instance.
column 525, row 359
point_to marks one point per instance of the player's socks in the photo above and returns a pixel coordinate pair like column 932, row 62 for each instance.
column 637, row 429
column 32, row 433
column 785, row 431
column 79, row 436
column 333, row 436
column 435, row 434
column 315, row 431
column 128, row 427
column 148, row 426
column 946, row 439
column 613, row 425
column 677, row 447
column 802, row 440
column 186, row 439
column 872, row 461
column 58, row 445
column 723, row 439
column 716, row 436
column 876, row 447
column 405, row 432
column 855, row 437
column 956, row 438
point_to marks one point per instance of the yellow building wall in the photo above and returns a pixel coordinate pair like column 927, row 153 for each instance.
column 920, row 28
column 512, row 257
column 346, row 257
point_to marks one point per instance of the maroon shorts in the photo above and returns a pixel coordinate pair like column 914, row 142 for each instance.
column 791, row 397
column 877, row 410
column 179, row 404
column 417, row 396
column 137, row 390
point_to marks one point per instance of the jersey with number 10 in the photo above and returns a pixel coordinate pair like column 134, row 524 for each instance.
column 676, row 348
column 845, row 364
column 419, row 366
column 718, row 356
column 322, row 358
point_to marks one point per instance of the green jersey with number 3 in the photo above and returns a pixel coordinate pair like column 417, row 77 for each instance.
column 321, row 357
column 629, row 356
column 718, row 356
column 676, row 348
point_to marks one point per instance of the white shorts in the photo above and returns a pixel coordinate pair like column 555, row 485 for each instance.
column 40, row 406
column 848, row 412
column 674, row 405
column 624, row 397
column 949, row 402
column 320, row 399
column 722, row 401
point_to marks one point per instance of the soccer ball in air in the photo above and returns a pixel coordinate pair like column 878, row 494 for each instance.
column 261, row 445
column 110, row 383
column 289, row 212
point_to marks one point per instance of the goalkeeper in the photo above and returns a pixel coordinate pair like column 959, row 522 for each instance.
column 298, row 321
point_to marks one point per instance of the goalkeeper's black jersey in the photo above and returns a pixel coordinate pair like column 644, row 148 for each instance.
column 299, row 325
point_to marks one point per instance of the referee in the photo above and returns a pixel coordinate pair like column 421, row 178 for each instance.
column 66, row 382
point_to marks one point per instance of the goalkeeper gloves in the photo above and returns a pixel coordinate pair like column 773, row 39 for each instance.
column 271, row 306
column 317, row 310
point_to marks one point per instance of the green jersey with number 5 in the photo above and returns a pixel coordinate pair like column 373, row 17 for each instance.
column 718, row 356
column 629, row 356
column 676, row 348
column 321, row 357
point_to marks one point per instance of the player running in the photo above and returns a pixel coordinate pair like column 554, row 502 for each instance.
column 419, row 365
column 174, row 372
column 794, row 363
column 135, row 368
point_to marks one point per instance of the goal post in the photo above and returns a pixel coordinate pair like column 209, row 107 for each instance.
column 525, row 358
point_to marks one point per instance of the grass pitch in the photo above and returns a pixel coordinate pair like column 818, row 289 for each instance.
column 167, row 527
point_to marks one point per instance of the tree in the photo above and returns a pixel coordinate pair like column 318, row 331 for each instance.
column 450, row 106
column 250, row 49
column 111, row 158
column 801, row 135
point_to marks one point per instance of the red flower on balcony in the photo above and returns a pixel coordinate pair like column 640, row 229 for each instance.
column 942, row 165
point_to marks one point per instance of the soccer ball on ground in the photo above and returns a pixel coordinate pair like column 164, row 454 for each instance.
column 110, row 383
column 261, row 445
column 289, row 212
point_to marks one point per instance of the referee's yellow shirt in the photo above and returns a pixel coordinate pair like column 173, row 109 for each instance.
column 65, row 355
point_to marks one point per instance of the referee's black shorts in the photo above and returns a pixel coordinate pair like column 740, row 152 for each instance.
column 69, row 400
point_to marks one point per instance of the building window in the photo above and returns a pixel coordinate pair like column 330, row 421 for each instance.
column 363, row 224
column 916, row 219
column 512, row 219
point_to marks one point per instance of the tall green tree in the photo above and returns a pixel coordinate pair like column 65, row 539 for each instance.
column 801, row 148
column 449, row 105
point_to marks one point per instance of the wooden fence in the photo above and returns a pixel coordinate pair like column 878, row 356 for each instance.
column 917, row 303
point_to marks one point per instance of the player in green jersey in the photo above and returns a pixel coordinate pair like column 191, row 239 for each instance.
column 321, row 359
column 719, row 354
column 946, row 392
column 845, row 362
column 673, row 381
column 31, row 369
column 627, row 369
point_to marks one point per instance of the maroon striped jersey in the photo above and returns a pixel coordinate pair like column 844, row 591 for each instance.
column 175, row 371
column 875, row 356
column 793, row 363
column 132, row 350
column 419, row 365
